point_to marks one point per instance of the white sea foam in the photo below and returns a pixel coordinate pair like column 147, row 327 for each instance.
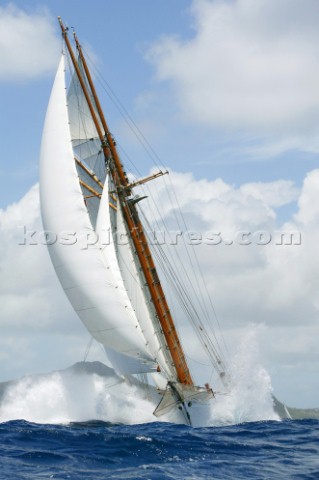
column 249, row 398
column 69, row 396
column 83, row 394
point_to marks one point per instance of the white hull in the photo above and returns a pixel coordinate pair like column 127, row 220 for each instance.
column 186, row 405
column 198, row 415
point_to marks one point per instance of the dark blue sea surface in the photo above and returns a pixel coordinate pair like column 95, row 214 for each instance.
column 263, row 450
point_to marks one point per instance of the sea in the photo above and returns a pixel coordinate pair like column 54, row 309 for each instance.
column 158, row 451
column 86, row 423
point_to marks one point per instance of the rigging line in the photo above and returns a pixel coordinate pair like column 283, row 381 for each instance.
column 199, row 363
column 174, row 288
column 194, row 270
column 77, row 90
column 166, row 228
column 156, row 327
column 80, row 112
column 219, row 354
column 125, row 114
column 89, row 150
column 201, row 276
column 206, row 343
column 188, row 255
column 160, row 307
column 127, row 117
column 182, row 265
column 126, row 155
column 153, row 155
column 147, row 222
column 183, row 295
column 82, row 124
column 187, row 250
column 159, row 250
column 173, row 260
column 186, row 227
column 161, row 254
column 88, row 348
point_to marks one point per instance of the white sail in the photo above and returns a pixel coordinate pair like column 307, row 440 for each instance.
column 140, row 300
column 82, row 273
column 86, row 144
column 122, row 363
column 82, row 127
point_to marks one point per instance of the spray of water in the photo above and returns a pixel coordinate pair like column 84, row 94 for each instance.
column 82, row 394
column 72, row 396
column 249, row 397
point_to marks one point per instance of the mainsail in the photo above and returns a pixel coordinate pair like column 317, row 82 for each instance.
column 102, row 257
column 89, row 284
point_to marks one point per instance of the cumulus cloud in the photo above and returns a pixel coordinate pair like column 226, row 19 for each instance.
column 221, row 205
column 23, row 37
column 274, row 262
column 271, row 284
column 250, row 67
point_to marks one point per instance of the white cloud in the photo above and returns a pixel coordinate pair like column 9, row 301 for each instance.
column 273, row 285
column 274, row 194
column 221, row 205
column 251, row 67
column 29, row 46
column 308, row 201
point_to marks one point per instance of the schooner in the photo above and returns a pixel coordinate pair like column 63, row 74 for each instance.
column 114, row 287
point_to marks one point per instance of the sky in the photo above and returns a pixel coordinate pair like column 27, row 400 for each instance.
column 226, row 92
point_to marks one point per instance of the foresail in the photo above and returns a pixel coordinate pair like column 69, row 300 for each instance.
column 139, row 296
column 104, row 226
column 76, row 255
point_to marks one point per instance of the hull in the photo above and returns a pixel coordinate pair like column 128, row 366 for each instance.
column 197, row 416
column 185, row 404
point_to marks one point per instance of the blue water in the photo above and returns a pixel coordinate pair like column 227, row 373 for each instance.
column 261, row 450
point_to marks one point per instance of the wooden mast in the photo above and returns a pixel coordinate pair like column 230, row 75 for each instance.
column 132, row 219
